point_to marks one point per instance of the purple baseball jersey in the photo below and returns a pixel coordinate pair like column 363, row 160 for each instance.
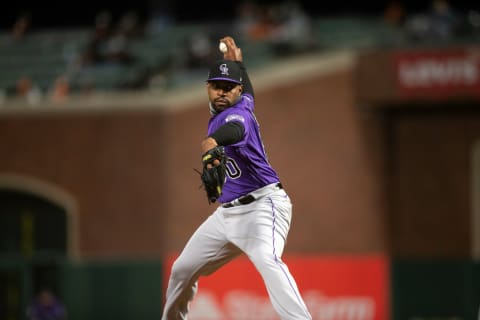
column 247, row 166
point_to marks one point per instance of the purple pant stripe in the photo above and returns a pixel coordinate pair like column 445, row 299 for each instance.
column 279, row 264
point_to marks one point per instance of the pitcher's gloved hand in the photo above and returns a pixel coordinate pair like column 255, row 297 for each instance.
column 213, row 175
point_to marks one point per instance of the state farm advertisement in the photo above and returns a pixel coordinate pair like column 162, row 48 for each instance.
column 333, row 287
column 438, row 74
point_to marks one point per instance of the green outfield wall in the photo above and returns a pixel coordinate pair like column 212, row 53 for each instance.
column 437, row 289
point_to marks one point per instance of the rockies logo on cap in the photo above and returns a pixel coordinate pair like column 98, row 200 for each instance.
column 224, row 69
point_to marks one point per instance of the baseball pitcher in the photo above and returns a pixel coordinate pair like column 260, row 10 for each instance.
column 254, row 211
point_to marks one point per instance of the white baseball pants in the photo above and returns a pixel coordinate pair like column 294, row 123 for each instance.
column 259, row 230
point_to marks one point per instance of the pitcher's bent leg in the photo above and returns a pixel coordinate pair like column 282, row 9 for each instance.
column 181, row 290
column 206, row 251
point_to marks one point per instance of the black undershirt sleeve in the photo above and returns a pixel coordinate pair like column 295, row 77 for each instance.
column 229, row 133
column 247, row 84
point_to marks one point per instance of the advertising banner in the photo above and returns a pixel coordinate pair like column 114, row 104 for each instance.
column 333, row 287
column 438, row 73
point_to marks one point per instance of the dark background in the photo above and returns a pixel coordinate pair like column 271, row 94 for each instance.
column 51, row 13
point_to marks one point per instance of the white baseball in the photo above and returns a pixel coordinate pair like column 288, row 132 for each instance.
column 222, row 47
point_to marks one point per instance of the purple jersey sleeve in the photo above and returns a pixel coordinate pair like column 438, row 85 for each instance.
column 247, row 167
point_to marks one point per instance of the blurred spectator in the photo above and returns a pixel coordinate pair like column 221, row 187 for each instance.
column 199, row 50
column 444, row 20
column 473, row 22
column 284, row 25
column 252, row 21
column 130, row 25
column 117, row 49
column 160, row 17
column 60, row 90
column 26, row 89
column 23, row 86
column 440, row 23
column 292, row 32
column 394, row 13
column 21, row 26
column 246, row 17
column 393, row 30
column 46, row 306
column 95, row 50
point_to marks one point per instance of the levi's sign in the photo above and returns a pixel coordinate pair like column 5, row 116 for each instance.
column 438, row 74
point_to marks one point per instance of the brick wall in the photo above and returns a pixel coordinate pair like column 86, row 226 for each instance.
column 131, row 172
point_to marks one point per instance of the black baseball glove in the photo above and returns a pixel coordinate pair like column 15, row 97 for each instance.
column 213, row 175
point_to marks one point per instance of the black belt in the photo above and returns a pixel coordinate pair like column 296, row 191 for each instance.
column 246, row 199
